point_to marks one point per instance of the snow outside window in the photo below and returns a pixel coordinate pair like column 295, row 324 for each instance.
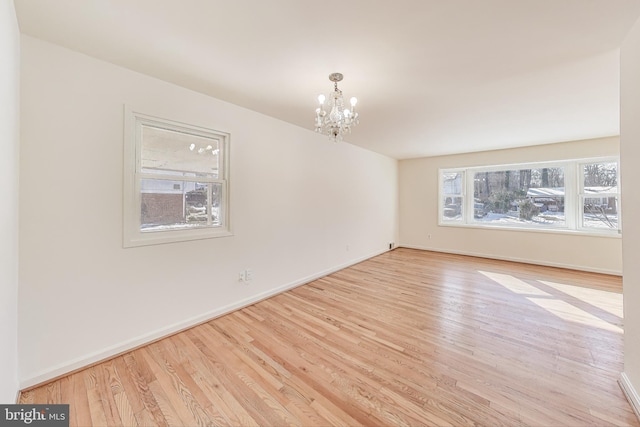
column 176, row 181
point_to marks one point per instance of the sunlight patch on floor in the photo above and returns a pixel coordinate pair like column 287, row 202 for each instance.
column 571, row 313
column 564, row 305
column 611, row 302
column 514, row 284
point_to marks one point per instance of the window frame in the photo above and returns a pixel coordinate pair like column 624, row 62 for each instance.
column 573, row 196
column 133, row 235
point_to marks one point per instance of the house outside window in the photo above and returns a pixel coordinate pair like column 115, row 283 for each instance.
column 176, row 181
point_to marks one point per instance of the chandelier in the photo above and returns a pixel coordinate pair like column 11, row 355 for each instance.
column 338, row 120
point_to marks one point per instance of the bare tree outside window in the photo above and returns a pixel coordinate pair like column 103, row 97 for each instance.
column 533, row 196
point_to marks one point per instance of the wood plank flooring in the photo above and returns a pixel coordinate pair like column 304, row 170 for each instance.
column 406, row 338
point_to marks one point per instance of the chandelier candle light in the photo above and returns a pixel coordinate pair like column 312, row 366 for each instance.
column 339, row 120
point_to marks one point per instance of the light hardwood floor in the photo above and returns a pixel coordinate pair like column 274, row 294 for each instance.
column 405, row 338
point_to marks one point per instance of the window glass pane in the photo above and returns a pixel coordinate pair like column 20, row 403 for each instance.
column 216, row 201
column 600, row 177
column 599, row 198
column 452, row 183
column 170, row 152
column 452, row 209
column 531, row 197
column 174, row 205
column 600, row 212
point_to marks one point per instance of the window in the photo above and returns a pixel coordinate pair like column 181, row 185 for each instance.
column 572, row 195
column 176, row 181
column 524, row 196
column 451, row 185
column 599, row 195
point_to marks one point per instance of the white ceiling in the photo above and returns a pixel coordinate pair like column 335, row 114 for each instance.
column 432, row 76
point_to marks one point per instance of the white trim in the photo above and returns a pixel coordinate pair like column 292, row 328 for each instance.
column 515, row 259
column 630, row 392
column 590, row 232
column 112, row 351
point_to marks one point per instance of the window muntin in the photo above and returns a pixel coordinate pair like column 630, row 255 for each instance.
column 579, row 195
column 177, row 179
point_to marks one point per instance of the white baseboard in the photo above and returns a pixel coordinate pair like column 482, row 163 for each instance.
column 515, row 259
column 632, row 395
column 110, row 352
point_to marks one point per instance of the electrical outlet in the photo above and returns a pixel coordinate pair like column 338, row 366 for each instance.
column 245, row 276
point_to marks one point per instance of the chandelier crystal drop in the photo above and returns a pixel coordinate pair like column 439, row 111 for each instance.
column 334, row 119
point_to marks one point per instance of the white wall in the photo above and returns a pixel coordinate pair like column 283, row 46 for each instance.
column 301, row 206
column 9, row 155
column 630, row 153
column 418, row 192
